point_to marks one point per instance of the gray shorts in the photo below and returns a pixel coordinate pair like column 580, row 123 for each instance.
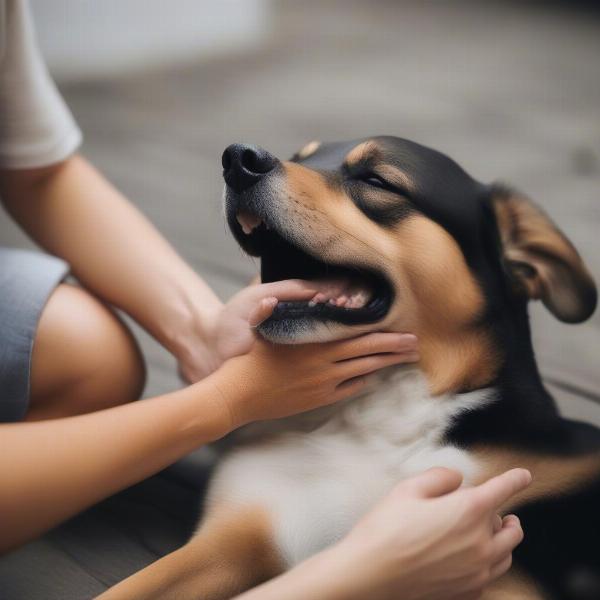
column 26, row 281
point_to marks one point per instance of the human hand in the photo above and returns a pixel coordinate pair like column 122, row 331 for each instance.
column 274, row 381
column 431, row 540
column 228, row 331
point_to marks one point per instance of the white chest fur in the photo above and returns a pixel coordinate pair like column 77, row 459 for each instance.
column 316, row 484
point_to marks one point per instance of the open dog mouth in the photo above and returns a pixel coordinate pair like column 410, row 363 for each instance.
column 347, row 294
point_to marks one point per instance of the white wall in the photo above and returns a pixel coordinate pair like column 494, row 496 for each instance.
column 95, row 38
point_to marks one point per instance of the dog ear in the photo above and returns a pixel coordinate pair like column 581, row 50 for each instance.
column 540, row 261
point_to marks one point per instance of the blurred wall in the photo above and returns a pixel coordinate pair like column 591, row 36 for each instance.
column 84, row 39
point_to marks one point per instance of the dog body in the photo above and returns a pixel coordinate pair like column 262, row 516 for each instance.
column 420, row 247
column 317, row 475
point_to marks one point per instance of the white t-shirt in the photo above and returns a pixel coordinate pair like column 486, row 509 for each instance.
column 36, row 127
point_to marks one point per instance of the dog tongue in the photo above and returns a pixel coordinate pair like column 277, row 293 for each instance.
column 344, row 293
column 248, row 221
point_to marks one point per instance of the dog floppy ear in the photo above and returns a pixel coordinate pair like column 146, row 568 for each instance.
column 540, row 261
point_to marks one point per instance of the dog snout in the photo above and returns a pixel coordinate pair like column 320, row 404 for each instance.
column 244, row 165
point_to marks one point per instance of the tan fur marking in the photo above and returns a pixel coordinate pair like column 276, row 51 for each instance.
column 559, row 278
column 466, row 362
column 331, row 224
column 305, row 183
column 394, row 176
column 361, row 152
column 523, row 225
column 232, row 551
column 552, row 475
column 445, row 301
column 439, row 299
column 309, row 149
column 513, row 586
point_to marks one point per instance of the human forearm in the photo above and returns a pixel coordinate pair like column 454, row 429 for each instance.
column 321, row 576
column 74, row 462
column 73, row 212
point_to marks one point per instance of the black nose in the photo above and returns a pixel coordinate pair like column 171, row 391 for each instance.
column 244, row 165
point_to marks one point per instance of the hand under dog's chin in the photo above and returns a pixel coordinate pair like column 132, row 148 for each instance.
column 304, row 330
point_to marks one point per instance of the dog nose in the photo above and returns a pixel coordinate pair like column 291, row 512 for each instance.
column 245, row 165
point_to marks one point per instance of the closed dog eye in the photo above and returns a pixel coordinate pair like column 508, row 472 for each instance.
column 378, row 200
column 374, row 181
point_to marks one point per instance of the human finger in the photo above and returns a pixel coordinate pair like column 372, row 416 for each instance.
column 496, row 523
column 508, row 538
column 355, row 367
column 286, row 289
column 434, row 482
column 374, row 343
column 350, row 388
column 501, row 567
column 491, row 494
column 262, row 311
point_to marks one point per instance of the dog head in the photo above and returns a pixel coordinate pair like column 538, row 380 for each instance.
column 418, row 246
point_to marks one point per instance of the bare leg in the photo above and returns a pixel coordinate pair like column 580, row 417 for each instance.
column 232, row 552
column 84, row 358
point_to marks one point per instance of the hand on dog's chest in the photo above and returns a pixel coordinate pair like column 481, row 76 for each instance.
column 316, row 485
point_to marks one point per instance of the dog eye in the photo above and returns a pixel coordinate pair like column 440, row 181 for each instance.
column 374, row 181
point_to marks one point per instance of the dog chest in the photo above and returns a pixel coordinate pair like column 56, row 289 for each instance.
column 317, row 484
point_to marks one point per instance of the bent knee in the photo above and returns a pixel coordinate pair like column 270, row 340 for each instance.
column 84, row 357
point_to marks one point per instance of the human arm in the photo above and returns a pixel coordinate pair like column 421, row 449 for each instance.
column 115, row 252
column 426, row 540
column 74, row 212
column 70, row 209
column 52, row 469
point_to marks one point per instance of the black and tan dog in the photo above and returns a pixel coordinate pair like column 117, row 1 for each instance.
column 414, row 244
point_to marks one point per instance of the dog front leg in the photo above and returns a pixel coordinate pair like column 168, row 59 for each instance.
column 231, row 552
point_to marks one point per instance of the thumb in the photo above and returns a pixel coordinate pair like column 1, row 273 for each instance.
column 435, row 482
column 287, row 289
column 262, row 311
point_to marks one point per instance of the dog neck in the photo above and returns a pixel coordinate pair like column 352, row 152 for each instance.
column 524, row 414
column 399, row 405
column 463, row 361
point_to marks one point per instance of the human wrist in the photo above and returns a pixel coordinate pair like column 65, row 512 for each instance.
column 209, row 417
column 192, row 326
column 351, row 575
column 341, row 568
column 317, row 577
column 233, row 390
column 328, row 575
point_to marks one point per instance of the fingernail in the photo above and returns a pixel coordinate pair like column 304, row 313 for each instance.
column 408, row 337
column 526, row 475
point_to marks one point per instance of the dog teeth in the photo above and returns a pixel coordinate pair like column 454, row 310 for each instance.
column 359, row 299
column 349, row 298
column 248, row 221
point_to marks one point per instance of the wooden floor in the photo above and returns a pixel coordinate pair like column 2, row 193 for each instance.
column 510, row 90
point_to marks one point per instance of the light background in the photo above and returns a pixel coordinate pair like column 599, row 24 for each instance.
column 511, row 90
